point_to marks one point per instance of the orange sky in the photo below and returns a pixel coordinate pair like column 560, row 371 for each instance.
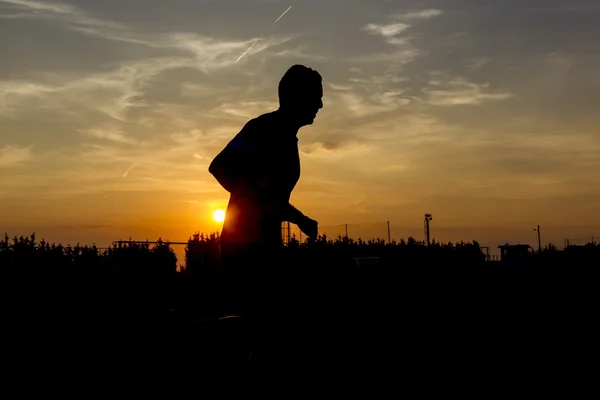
column 480, row 113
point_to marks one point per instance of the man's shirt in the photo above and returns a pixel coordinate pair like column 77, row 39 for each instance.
column 260, row 168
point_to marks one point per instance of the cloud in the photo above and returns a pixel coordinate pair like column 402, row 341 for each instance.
column 379, row 81
column 332, row 144
column 110, row 134
column 388, row 30
column 358, row 105
column 245, row 109
column 297, row 52
column 208, row 53
column 423, row 14
column 160, row 166
column 15, row 92
column 459, row 91
column 477, row 62
column 13, row 155
column 199, row 90
column 398, row 25
column 398, row 57
column 118, row 91
column 394, row 33
column 561, row 62
column 367, row 96
column 114, row 93
column 187, row 138
column 61, row 13
column 335, row 86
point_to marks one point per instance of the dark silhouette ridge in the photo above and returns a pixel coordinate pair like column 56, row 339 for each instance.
column 431, row 312
column 260, row 167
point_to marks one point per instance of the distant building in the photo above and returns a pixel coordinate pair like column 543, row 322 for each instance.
column 515, row 253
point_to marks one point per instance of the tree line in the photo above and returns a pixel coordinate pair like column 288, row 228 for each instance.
column 25, row 254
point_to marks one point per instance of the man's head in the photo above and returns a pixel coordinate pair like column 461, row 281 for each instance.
column 301, row 94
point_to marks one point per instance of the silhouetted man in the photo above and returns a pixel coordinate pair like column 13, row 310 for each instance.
column 260, row 167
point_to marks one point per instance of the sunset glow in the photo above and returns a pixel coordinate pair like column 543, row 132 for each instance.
column 218, row 216
column 479, row 112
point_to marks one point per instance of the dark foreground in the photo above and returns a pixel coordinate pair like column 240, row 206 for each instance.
column 431, row 330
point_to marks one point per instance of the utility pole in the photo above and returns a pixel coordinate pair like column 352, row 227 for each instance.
column 539, row 239
column 346, row 231
column 390, row 236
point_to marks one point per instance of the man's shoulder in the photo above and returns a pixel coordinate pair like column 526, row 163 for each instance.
column 266, row 120
column 264, row 127
column 257, row 132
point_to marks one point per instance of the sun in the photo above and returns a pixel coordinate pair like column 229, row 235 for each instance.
column 219, row 216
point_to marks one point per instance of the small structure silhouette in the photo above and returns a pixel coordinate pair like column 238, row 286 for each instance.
column 515, row 254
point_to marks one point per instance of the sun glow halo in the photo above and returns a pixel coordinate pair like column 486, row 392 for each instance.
column 218, row 216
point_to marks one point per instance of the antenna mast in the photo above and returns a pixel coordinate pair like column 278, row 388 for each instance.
column 428, row 218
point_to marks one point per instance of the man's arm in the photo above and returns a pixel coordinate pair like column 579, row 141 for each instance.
column 225, row 169
column 232, row 166
column 306, row 224
column 292, row 214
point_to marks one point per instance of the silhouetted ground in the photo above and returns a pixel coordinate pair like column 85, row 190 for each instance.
column 429, row 325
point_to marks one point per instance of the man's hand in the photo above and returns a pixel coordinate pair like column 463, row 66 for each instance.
column 310, row 227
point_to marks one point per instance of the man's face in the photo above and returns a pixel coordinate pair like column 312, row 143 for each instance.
column 309, row 104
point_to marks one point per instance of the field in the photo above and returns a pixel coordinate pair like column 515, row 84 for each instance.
column 452, row 316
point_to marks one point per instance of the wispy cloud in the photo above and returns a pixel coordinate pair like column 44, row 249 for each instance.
column 395, row 33
column 398, row 24
column 13, row 155
column 386, row 30
column 397, row 57
column 15, row 92
column 422, row 14
column 208, row 53
column 358, row 105
column 110, row 134
column 113, row 93
column 367, row 96
column 459, row 91
column 244, row 109
column 117, row 93
column 477, row 62
column 297, row 52
column 121, row 90
column 60, row 13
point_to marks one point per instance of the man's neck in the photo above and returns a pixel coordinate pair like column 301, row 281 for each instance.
column 289, row 120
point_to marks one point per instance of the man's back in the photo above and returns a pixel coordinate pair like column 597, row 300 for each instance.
column 263, row 167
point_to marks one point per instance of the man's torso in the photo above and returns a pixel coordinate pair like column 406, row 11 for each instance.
column 273, row 149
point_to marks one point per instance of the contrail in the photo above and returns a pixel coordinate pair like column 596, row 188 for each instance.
column 281, row 16
column 127, row 172
column 246, row 52
column 250, row 48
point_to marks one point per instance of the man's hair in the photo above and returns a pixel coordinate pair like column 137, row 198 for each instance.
column 295, row 80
